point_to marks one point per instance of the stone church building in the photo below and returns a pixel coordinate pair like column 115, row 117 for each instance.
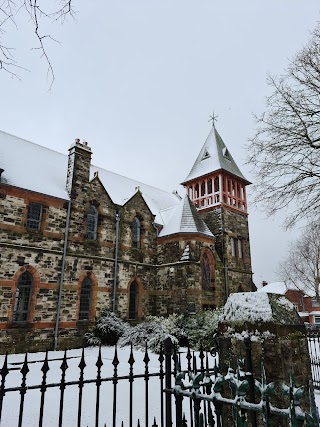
column 76, row 238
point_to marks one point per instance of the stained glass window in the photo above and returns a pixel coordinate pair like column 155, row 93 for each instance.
column 85, row 299
column 136, row 228
column 92, row 222
column 133, row 301
column 205, row 273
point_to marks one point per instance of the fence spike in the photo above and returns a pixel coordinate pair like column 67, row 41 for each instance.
column 115, row 360
column 99, row 362
column 131, row 358
column 146, row 358
column 25, row 368
column 154, row 423
column 82, row 363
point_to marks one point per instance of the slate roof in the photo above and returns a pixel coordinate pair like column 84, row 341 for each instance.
column 42, row 170
column 185, row 219
column 214, row 156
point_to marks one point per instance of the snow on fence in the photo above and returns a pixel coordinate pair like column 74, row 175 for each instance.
column 92, row 387
column 313, row 337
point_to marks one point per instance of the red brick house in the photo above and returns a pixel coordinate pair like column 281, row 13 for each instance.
column 306, row 305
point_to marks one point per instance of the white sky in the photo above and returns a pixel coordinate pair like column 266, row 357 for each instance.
column 138, row 80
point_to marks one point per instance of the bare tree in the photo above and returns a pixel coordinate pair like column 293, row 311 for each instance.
column 38, row 13
column 285, row 151
column 302, row 265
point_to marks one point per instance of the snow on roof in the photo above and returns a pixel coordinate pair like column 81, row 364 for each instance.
column 33, row 167
column 185, row 219
column 274, row 288
column 121, row 189
column 214, row 156
column 278, row 288
column 40, row 169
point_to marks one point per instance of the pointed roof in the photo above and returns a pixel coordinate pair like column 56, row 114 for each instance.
column 185, row 219
column 214, row 156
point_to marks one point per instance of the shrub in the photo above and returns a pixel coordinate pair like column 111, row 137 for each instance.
column 153, row 332
column 109, row 328
column 200, row 328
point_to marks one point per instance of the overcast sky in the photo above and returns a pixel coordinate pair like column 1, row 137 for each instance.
column 138, row 80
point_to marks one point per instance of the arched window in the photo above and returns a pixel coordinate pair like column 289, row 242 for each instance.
column 209, row 186
column 136, row 229
column 92, row 223
column 23, row 297
column 205, row 273
column 85, row 299
column 133, row 300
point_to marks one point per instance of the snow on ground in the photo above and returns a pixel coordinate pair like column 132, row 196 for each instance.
column 52, row 397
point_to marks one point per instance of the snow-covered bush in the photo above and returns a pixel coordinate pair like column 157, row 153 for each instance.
column 109, row 328
column 153, row 332
column 199, row 329
column 182, row 329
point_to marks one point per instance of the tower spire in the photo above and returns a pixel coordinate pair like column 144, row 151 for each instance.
column 213, row 119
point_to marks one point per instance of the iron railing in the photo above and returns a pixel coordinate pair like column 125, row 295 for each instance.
column 313, row 337
column 48, row 390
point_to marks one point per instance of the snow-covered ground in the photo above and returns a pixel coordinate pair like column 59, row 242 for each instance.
column 52, row 397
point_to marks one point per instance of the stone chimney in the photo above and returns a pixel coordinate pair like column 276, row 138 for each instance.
column 79, row 162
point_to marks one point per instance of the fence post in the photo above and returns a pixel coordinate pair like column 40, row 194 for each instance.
column 249, row 369
column 168, row 351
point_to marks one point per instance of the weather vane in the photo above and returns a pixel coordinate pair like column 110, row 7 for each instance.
column 213, row 118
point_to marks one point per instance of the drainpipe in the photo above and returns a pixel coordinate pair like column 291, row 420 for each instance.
column 56, row 327
column 115, row 264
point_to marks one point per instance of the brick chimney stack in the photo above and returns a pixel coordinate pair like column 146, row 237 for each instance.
column 79, row 162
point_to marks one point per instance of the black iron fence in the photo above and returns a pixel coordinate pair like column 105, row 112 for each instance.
column 172, row 388
column 313, row 337
column 131, row 398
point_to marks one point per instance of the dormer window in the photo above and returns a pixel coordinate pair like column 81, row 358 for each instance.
column 92, row 223
column 206, row 155
column 225, row 153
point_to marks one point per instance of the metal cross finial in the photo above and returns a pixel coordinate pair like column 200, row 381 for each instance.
column 213, row 119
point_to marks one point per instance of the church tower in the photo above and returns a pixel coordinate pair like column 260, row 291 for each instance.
column 217, row 188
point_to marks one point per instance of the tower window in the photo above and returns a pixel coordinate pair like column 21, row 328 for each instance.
column 92, row 223
column 203, row 188
column 216, row 184
column 85, row 299
column 209, row 186
column 34, row 216
column 136, row 232
column 236, row 247
column 23, row 297
column 196, row 190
